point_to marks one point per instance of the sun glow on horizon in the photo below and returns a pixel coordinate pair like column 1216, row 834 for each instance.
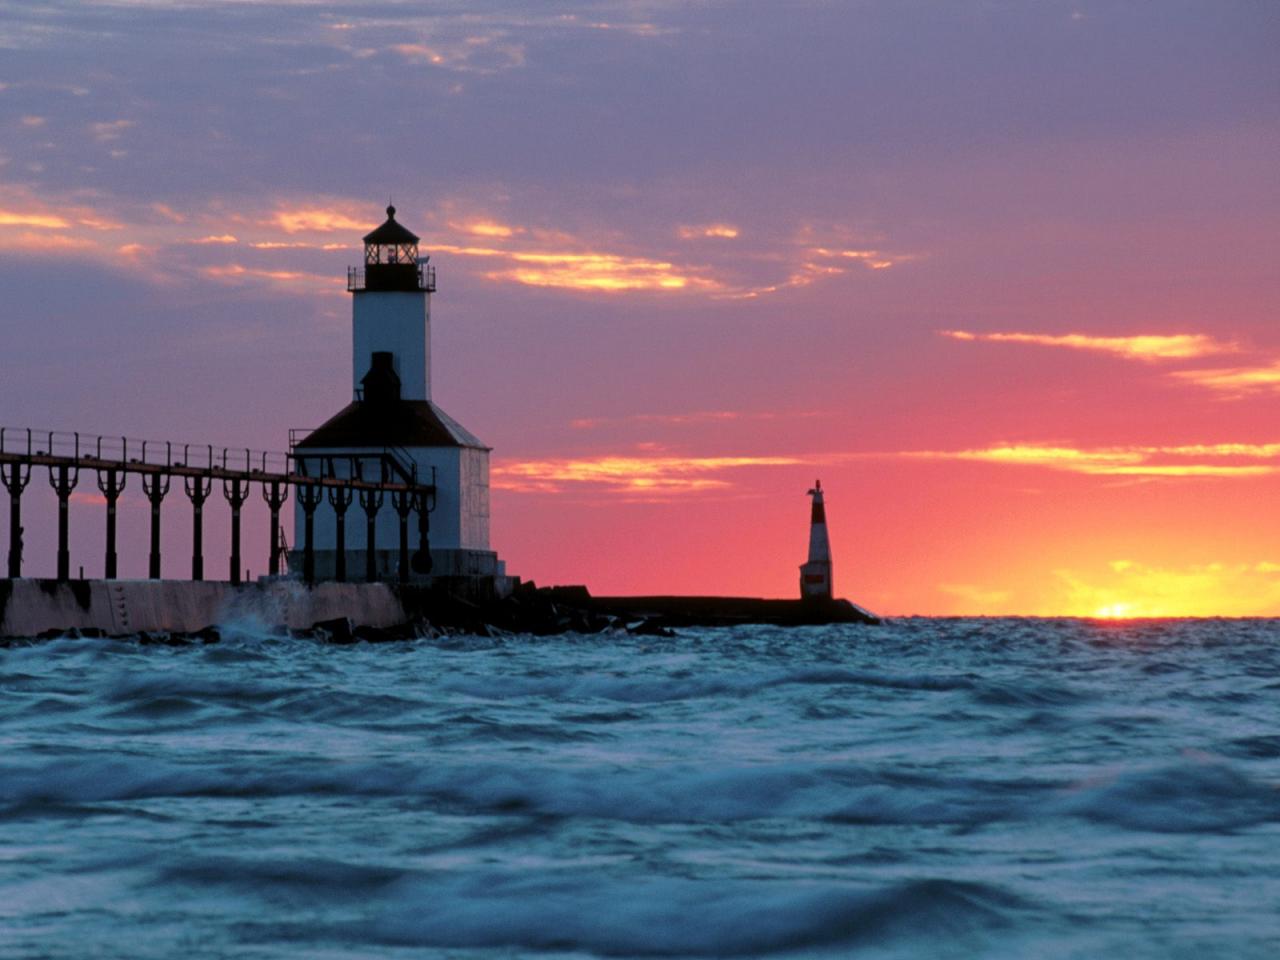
column 1115, row 611
column 1132, row 590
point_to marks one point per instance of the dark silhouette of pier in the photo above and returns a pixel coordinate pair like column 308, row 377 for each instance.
column 340, row 478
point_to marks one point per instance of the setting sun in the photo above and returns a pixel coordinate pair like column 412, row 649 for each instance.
column 1115, row 611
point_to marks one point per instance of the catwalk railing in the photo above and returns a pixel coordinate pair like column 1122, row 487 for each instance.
column 368, row 474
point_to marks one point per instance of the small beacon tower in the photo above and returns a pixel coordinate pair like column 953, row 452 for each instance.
column 392, row 411
column 815, row 575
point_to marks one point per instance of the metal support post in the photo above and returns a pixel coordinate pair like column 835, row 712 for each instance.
column 309, row 497
column 424, row 503
column 275, row 495
column 370, row 500
column 155, row 491
column 15, row 481
column 63, row 482
column 198, row 490
column 340, row 499
column 403, row 503
column 111, row 485
column 237, row 492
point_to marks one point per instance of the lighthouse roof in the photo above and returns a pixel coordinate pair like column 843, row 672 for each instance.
column 391, row 233
column 402, row 423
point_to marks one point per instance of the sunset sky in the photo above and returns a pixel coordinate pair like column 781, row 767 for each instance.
column 1004, row 274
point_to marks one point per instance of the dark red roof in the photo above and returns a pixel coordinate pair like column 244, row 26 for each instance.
column 402, row 423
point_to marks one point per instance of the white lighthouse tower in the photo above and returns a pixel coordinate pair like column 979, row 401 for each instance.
column 815, row 575
column 392, row 414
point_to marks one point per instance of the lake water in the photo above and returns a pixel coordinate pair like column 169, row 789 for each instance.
column 929, row 788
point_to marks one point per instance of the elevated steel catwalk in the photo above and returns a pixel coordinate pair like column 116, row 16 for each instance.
column 313, row 476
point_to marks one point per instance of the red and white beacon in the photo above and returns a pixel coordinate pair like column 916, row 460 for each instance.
column 815, row 575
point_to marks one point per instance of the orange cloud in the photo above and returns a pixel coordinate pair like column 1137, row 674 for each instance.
column 418, row 52
column 603, row 272
column 804, row 275
column 709, row 416
column 700, row 416
column 1180, row 346
column 722, row 231
column 47, row 221
column 1234, row 380
column 31, row 225
column 486, row 228
column 170, row 214
column 1264, row 451
column 597, row 271
column 317, row 219
column 36, row 243
column 1060, row 458
column 94, row 222
column 1137, row 461
column 505, row 252
column 479, row 54
column 237, row 272
column 818, row 263
column 299, row 245
column 552, row 259
column 628, row 475
column 1189, row 470
column 871, row 259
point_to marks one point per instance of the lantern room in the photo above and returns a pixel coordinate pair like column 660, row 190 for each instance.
column 391, row 261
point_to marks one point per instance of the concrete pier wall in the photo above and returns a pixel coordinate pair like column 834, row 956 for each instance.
column 444, row 563
column 30, row 607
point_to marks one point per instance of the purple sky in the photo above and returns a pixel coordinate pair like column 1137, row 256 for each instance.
column 705, row 238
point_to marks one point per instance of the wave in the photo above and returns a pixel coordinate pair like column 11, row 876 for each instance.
column 568, row 909
column 129, row 688
column 673, row 916
column 311, row 877
column 1024, row 694
column 170, row 695
column 649, row 689
column 1200, row 796
column 664, row 794
column 1188, row 797
column 1259, row 747
column 480, row 727
column 158, row 708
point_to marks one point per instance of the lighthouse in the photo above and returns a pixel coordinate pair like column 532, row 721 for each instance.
column 815, row 575
column 393, row 417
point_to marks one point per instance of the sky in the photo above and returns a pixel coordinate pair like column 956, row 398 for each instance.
column 1002, row 273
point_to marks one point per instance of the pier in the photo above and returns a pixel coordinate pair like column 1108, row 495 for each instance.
column 372, row 475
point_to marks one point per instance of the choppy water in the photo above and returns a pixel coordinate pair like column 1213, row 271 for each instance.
column 963, row 788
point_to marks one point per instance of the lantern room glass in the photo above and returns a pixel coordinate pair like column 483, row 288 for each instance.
column 376, row 253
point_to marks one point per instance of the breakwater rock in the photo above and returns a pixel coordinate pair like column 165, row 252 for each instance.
column 185, row 612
